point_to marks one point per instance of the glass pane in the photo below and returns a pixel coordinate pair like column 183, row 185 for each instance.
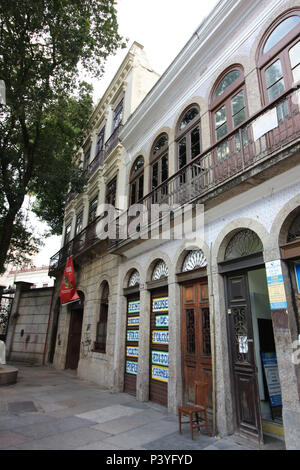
column 296, row 73
column 190, row 331
column 282, row 29
column 222, row 150
column 282, row 111
column 164, row 168
column 295, row 55
column 221, row 131
column 195, row 142
column 133, row 192
column 139, row 163
column 155, row 175
column 276, row 90
column 227, row 81
column 220, row 116
column 273, row 73
column 182, row 152
column 161, row 142
column 188, row 117
column 238, row 102
column 239, row 118
column 141, row 187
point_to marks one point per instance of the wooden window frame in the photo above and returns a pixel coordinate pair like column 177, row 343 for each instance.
column 117, row 110
column 186, row 132
column 225, row 99
column 78, row 217
column 93, row 210
column 135, row 178
column 109, row 192
column 67, row 236
column 279, row 51
column 157, row 158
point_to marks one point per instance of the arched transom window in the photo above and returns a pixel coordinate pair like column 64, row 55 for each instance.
column 160, row 271
column 279, row 56
column 195, row 259
column 134, row 279
column 244, row 242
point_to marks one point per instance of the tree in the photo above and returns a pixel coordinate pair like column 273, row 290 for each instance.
column 43, row 45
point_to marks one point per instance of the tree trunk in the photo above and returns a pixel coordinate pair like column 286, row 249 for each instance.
column 5, row 236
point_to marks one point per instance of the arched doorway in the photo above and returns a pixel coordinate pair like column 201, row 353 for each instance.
column 159, row 334
column 250, row 334
column 74, row 338
column 132, row 293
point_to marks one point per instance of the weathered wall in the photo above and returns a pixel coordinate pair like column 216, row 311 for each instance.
column 28, row 326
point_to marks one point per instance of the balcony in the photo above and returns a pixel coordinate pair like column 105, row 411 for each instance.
column 99, row 159
column 235, row 163
column 227, row 168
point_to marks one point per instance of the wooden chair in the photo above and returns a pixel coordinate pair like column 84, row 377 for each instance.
column 193, row 412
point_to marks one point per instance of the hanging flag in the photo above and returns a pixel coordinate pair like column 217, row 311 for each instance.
column 68, row 291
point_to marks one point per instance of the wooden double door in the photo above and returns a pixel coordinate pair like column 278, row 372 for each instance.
column 74, row 339
column 196, row 341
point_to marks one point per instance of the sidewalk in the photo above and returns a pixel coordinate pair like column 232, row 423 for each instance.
column 54, row 410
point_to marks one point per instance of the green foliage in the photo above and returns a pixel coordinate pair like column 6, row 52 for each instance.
column 43, row 45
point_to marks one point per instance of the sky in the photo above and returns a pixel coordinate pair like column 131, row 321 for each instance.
column 163, row 27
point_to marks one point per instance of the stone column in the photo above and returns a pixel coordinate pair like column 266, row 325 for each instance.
column 286, row 342
column 175, row 374
column 142, row 385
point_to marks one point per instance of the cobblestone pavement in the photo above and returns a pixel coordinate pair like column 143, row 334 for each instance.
column 55, row 410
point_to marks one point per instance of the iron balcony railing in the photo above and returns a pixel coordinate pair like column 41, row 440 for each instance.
column 225, row 160
column 99, row 159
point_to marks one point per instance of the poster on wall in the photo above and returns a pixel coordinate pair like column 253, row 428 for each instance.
column 275, row 285
column 272, row 378
column 68, row 292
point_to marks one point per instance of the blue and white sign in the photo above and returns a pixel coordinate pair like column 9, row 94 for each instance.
column 160, row 305
column 160, row 358
column 162, row 320
column 132, row 351
column 132, row 335
column 134, row 306
column 133, row 321
column 160, row 337
column 275, row 285
column 297, row 270
column 272, row 378
column 160, row 373
column 131, row 367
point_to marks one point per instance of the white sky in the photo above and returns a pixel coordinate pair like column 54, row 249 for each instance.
column 163, row 27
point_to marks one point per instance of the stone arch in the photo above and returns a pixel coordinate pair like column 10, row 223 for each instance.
column 185, row 248
column 283, row 220
column 231, row 229
column 153, row 260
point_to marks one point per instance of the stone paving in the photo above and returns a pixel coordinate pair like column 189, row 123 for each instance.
column 55, row 410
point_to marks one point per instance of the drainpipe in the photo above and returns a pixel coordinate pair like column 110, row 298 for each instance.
column 49, row 316
column 213, row 344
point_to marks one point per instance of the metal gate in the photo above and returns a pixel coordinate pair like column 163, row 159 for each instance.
column 5, row 311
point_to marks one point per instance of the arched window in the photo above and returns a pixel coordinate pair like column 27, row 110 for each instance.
column 137, row 181
column 194, row 259
column 159, row 164
column 160, row 271
column 244, row 242
column 294, row 230
column 100, row 343
column 228, row 102
column 188, row 136
column 279, row 56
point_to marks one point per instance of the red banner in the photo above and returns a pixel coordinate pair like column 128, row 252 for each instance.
column 68, row 291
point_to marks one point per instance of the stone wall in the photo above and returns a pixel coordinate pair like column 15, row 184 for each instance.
column 29, row 323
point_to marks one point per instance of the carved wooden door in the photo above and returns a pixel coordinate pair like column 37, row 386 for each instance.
column 196, row 345
column 74, row 339
column 243, row 367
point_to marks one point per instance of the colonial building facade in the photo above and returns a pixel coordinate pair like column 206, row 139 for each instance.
column 220, row 131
